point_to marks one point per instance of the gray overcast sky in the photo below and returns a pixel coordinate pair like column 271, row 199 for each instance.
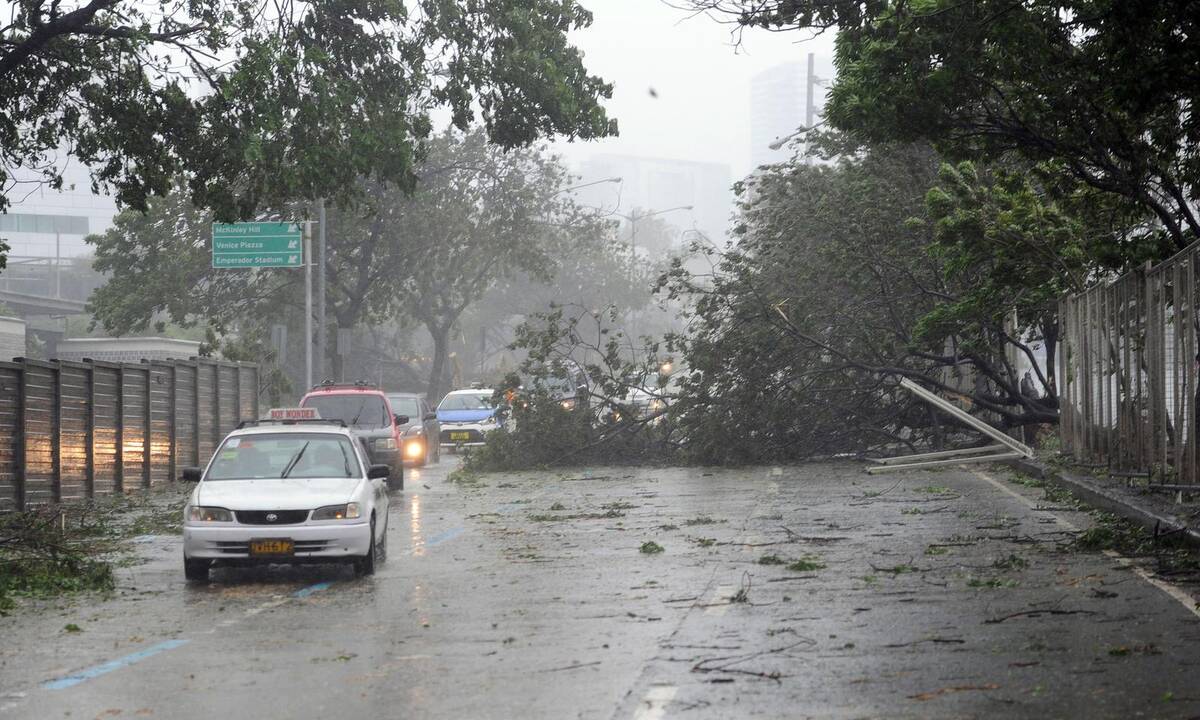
column 702, row 111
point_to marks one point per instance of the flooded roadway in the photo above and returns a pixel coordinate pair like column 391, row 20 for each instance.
column 812, row 591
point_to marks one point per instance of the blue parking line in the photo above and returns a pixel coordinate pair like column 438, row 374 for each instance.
column 443, row 537
column 316, row 587
column 95, row 672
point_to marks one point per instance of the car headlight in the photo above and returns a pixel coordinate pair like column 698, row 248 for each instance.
column 198, row 513
column 568, row 404
column 386, row 443
column 489, row 420
column 414, row 448
column 349, row 511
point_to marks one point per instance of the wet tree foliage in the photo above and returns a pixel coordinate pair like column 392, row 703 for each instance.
column 479, row 218
column 1105, row 90
column 251, row 105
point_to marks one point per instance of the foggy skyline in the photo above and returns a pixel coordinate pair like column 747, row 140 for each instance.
column 702, row 110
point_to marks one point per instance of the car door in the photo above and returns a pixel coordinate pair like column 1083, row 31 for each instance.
column 379, row 493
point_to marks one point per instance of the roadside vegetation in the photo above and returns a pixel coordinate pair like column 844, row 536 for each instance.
column 50, row 551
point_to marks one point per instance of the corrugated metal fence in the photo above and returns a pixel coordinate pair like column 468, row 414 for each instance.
column 76, row 430
column 1128, row 372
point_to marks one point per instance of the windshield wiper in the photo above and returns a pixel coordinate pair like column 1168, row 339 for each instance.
column 362, row 406
column 295, row 459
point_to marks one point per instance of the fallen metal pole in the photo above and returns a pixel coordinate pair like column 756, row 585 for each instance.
column 962, row 452
column 938, row 463
column 966, row 417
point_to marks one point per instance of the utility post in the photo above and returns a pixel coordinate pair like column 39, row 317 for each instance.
column 809, row 110
column 308, row 308
column 322, row 327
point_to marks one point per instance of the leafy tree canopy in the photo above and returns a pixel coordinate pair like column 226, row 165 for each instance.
column 258, row 104
column 1106, row 89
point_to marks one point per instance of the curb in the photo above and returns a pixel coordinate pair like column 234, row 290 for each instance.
column 1087, row 490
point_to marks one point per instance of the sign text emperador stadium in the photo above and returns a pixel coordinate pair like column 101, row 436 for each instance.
column 256, row 245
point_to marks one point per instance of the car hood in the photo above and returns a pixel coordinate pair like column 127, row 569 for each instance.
column 465, row 416
column 276, row 493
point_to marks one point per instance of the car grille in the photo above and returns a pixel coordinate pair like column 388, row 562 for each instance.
column 281, row 517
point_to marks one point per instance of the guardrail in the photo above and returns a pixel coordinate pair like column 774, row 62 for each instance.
column 70, row 431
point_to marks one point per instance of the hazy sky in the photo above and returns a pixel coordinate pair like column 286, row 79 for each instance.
column 702, row 111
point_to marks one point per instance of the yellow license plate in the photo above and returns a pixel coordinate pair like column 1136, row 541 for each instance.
column 272, row 547
column 460, row 436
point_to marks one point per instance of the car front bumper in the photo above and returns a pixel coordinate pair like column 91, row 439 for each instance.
column 231, row 541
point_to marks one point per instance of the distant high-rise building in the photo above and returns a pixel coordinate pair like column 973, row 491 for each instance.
column 783, row 98
column 660, row 184
column 44, row 222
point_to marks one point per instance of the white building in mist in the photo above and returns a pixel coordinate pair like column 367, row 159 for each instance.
column 779, row 105
column 43, row 222
column 656, row 184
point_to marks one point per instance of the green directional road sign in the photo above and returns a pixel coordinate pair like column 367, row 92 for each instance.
column 256, row 245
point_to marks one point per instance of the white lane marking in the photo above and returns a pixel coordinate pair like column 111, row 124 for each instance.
column 1173, row 592
column 654, row 704
column 720, row 602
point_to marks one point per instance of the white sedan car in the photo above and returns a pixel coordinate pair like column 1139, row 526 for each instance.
column 291, row 492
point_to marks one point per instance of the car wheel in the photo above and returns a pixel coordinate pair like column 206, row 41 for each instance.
column 383, row 543
column 366, row 565
column 395, row 480
column 195, row 570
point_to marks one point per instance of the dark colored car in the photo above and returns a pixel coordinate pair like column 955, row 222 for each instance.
column 366, row 411
column 419, row 437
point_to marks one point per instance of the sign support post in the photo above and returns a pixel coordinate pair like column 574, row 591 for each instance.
column 308, row 309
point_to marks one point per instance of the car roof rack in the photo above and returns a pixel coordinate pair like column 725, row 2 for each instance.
column 357, row 384
column 293, row 421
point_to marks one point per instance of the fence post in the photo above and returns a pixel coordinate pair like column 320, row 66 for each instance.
column 148, row 432
column 196, row 410
column 172, row 431
column 119, row 423
column 90, row 432
column 56, row 434
column 19, row 448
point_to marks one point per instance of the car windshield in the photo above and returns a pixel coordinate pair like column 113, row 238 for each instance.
column 290, row 455
column 467, row 401
column 404, row 405
column 360, row 410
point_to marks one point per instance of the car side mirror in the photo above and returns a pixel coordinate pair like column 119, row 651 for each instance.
column 377, row 472
column 431, row 416
column 400, row 419
column 191, row 474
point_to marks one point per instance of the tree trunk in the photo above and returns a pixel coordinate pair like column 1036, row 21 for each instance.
column 1050, row 337
column 436, row 386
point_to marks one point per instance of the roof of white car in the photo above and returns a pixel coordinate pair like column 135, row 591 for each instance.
column 471, row 391
column 274, row 428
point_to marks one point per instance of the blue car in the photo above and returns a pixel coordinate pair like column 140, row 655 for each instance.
column 467, row 416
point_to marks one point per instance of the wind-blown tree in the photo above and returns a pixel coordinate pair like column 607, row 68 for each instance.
column 259, row 104
column 482, row 216
column 479, row 215
column 1105, row 90
column 788, row 357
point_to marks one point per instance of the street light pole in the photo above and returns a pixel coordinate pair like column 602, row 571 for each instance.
column 322, row 327
column 634, row 217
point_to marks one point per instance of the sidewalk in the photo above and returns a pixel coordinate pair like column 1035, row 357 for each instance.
column 1157, row 512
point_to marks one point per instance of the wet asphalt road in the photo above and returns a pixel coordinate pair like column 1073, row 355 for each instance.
column 947, row 594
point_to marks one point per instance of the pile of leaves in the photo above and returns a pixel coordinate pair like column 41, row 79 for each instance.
column 53, row 550
column 41, row 555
